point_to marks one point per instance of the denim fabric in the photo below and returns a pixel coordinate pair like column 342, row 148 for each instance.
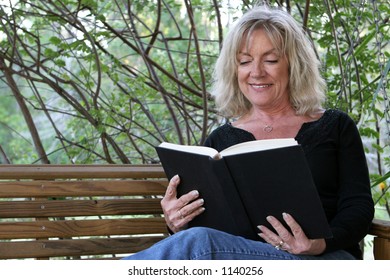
column 200, row 243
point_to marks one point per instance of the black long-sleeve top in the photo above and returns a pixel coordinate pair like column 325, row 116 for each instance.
column 335, row 154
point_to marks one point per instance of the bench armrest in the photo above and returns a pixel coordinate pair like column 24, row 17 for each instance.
column 380, row 229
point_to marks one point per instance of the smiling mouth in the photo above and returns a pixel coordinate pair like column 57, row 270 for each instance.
column 261, row 86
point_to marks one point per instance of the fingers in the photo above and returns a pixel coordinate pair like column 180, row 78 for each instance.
column 295, row 228
column 271, row 237
column 170, row 199
column 171, row 191
column 302, row 244
column 293, row 240
column 279, row 227
column 191, row 210
column 268, row 235
column 178, row 217
column 179, row 212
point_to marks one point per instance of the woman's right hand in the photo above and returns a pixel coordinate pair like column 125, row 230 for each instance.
column 178, row 212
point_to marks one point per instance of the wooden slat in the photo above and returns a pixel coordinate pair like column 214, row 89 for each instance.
column 74, row 208
column 51, row 171
column 17, row 189
column 75, row 247
column 381, row 248
column 37, row 192
column 380, row 228
column 76, row 228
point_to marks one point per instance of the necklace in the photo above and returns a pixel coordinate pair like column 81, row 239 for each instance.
column 268, row 128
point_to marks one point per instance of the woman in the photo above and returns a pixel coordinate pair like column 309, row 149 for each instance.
column 267, row 79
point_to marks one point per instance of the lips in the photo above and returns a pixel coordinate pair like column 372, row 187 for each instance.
column 258, row 86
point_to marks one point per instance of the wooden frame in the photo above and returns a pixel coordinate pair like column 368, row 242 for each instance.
column 92, row 211
column 79, row 211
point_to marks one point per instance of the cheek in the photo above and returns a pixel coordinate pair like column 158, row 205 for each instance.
column 281, row 75
column 283, row 71
column 241, row 82
column 239, row 78
column 241, row 74
column 286, row 78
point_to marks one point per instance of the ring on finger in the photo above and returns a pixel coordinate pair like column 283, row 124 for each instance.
column 180, row 214
column 280, row 245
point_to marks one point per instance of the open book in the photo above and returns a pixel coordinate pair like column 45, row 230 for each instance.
column 246, row 147
column 247, row 182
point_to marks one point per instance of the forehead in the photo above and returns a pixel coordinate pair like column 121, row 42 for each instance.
column 259, row 41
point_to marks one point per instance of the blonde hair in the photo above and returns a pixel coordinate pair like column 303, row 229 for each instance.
column 306, row 86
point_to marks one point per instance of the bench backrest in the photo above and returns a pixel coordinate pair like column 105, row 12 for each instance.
column 47, row 211
column 92, row 211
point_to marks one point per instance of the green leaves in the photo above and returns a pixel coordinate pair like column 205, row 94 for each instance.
column 55, row 40
column 50, row 53
column 94, row 67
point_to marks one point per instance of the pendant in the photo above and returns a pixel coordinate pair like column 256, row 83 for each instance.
column 268, row 128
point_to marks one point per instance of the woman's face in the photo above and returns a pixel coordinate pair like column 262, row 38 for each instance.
column 263, row 73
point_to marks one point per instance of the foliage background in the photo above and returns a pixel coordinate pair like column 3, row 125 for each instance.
column 98, row 81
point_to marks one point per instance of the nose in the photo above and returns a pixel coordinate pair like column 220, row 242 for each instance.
column 257, row 70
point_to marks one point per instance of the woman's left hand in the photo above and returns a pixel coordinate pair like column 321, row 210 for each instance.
column 294, row 241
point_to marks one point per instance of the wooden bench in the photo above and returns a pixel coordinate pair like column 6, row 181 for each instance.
column 92, row 211
column 73, row 211
column 380, row 229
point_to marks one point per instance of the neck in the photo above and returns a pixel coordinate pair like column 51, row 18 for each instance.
column 267, row 120
column 269, row 116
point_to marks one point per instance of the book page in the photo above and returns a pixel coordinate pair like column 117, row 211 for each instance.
column 258, row 145
column 201, row 150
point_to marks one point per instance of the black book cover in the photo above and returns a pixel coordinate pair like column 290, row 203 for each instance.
column 241, row 190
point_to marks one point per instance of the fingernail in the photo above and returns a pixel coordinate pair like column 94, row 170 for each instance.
column 269, row 218
column 175, row 178
column 195, row 193
column 285, row 215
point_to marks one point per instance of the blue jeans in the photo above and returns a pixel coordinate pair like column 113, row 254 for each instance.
column 201, row 243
